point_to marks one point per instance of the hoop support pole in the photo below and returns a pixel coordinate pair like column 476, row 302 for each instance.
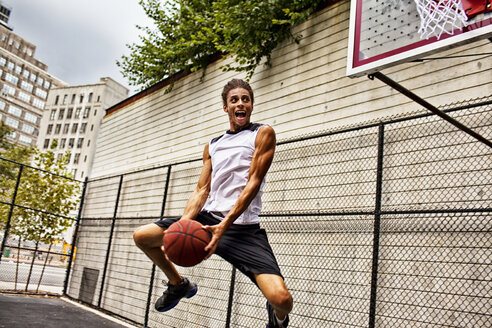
column 383, row 78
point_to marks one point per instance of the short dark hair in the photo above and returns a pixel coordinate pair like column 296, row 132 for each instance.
column 237, row 83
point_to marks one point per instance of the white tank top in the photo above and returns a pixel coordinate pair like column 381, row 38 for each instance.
column 231, row 156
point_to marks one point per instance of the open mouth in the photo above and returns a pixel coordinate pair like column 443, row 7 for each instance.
column 240, row 114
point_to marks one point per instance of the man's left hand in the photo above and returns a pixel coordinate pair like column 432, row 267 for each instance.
column 217, row 232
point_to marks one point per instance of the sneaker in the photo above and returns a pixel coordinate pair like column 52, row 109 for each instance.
column 272, row 320
column 174, row 293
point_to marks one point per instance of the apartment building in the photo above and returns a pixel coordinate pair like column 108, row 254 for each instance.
column 24, row 86
column 5, row 11
column 72, row 116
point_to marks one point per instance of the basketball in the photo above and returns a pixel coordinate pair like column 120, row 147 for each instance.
column 184, row 242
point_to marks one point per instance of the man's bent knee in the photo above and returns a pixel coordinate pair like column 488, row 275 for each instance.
column 148, row 236
column 282, row 299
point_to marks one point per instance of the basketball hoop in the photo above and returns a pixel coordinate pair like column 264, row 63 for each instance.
column 440, row 16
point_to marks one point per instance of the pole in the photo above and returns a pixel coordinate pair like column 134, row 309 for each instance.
column 377, row 229
column 231, row 298
column 106, row 261
column 152, row 274
column 74, row 237
column 380, row 76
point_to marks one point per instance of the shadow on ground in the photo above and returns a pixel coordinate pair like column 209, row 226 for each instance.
column 23, row 311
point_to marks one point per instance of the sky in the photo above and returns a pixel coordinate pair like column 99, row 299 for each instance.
column 79, row 40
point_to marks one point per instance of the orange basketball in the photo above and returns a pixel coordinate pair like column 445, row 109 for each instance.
column 185, row 241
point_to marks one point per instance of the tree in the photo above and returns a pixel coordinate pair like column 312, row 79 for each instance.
column 189, row 33
column 9, row 170
column 44, row 196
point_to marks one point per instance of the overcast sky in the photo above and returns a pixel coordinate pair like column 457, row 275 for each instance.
column 79, row 40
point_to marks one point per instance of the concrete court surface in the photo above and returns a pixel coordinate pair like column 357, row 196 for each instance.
column 23, row 311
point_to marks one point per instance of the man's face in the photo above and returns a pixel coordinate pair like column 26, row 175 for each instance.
column 238, row 108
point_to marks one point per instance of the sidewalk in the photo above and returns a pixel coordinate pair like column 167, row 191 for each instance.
column 21, row 311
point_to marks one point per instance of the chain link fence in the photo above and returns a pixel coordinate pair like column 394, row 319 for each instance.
column 34, row 258
column 382, row 225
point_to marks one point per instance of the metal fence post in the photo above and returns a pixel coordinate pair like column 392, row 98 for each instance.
column 11, row 211
column 106, row 261
column 377, row 227
column 74, row 237
column 231, row 298
column 152, row 274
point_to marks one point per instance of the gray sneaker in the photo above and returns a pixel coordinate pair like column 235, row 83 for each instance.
column 174, row 293
column 272, row 320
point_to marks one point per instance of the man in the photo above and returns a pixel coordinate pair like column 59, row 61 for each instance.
column 227, row 201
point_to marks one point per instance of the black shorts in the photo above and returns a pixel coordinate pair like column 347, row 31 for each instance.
column 246, row 247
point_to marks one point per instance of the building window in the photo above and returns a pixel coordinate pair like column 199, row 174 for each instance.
column 3, row 61
column 41, row 93
column 77, row 112
column 64, row 100
column 85, row 158
column 26, row 86
column 59, row 157
column 61, row 114
column 11, row 66
column 28, row 128
column 57, row 129
column 12, row 135
column 11, row 78
column 69, row 112
column 47, row 84
column 83, row 126
column 40, row 80
column 76, row 158
column 75, row 126
column 49, row 129
column 38, row 103
column 71, row 142
column 73, row 99
column 80, row 142
column 18, row 69
column 13, row 123
column 25, row 74
column 33, row 77
column 81, row 99
column 95, row 112
column 2, row 105
column 8, row 89
column 98, row 98
column 68, row 156
column 74, row 173
column 46, row 143
column 16, row 111
column 52, row 114
column 30, row 118
column 63, row 142
column 88, row 143
column 90, row 97
column 25, row 140
column 57, row 99
column 66, row 128
column 87, row 112
column 24, row 97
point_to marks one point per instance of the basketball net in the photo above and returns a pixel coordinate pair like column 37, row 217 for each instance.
column 440, row 16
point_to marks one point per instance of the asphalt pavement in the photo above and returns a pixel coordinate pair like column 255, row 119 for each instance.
column 26, row 311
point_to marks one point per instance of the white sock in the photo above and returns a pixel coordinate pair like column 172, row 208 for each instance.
column 280, row 322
